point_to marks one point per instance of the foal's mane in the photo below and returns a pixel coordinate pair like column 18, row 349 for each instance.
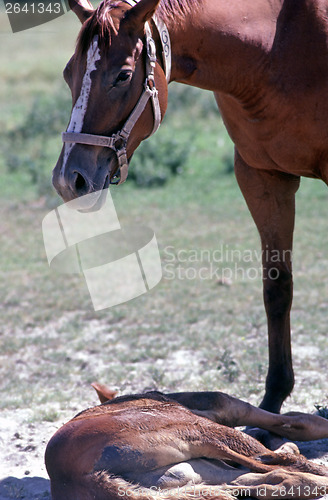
column 101, row 22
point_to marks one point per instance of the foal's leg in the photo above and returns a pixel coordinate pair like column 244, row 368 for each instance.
column 270, row 197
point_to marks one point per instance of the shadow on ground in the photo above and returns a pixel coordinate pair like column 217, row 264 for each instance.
column 27, row 488
column 315, row 449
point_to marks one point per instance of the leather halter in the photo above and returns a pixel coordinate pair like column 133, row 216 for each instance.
column 118, row 141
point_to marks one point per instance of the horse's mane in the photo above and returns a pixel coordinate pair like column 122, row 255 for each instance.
column 101, row 22
column 175, row 9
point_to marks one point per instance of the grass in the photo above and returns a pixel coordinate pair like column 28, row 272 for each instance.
column 187, row 333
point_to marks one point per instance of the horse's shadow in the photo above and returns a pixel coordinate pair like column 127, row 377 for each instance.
column 314, row 449
column 27, row 488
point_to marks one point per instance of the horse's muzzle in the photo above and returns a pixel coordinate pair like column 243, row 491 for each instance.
column 78, row 178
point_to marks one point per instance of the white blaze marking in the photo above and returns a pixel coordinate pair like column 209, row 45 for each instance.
column 80, row 107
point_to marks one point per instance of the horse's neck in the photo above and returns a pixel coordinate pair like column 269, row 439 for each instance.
column 227, row 46
column 217, row 43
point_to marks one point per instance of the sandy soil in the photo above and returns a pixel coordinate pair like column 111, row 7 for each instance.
column 22, row 471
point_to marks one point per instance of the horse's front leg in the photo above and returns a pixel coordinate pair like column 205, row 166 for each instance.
column 270, row 196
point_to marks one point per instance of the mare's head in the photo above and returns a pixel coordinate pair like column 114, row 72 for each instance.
column 107, row 76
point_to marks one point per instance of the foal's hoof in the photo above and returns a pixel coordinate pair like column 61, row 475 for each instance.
column 268, row 439
column 288, row 447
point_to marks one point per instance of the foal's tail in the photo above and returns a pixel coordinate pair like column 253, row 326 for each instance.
column 116, row 488
column 102, row 486
column 289, row 461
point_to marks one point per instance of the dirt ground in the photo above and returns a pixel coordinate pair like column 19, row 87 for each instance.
column 22, row 471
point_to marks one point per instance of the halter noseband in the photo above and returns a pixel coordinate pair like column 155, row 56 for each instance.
column 118, row 141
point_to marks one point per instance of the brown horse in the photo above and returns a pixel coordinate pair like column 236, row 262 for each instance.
column 181, row 446
column 266, row 62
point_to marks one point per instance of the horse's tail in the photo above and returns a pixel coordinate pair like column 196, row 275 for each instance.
column 102, row 486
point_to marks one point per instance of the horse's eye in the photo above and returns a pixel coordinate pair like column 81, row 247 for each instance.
column 123, row 77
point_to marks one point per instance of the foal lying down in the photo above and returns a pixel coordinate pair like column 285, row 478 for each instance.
column 181, row 446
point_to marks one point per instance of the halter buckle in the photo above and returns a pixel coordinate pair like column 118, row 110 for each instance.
column 113, row 182
column 119, row 144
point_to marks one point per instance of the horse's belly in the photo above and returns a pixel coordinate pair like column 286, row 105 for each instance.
column 278, row 140
column 197, row 471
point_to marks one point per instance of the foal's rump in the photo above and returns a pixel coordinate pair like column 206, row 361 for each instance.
column 147, row 445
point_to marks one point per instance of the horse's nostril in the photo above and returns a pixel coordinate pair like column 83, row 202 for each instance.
column 80, row 182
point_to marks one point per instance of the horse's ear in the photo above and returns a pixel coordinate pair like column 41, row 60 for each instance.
column 136, row 17
column 104, row 393
column 82, row 8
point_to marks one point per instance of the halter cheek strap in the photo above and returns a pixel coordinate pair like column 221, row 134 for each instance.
column 164, row 37
column 118, row 141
